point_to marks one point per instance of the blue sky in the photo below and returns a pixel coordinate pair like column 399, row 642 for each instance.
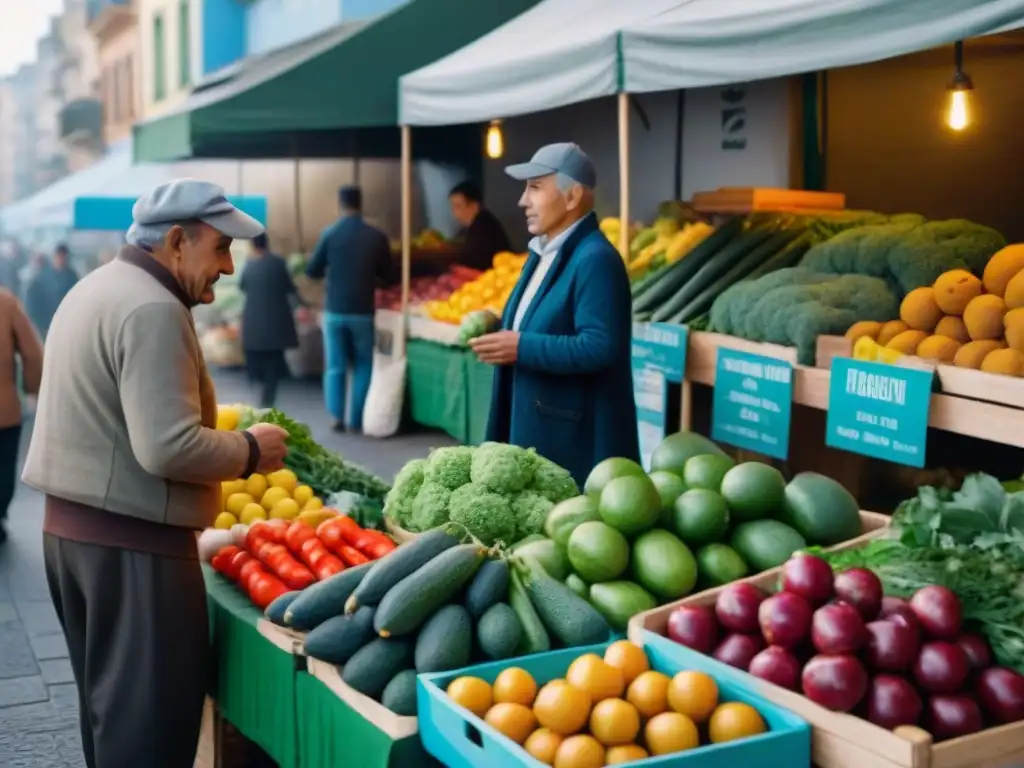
column 24, row 22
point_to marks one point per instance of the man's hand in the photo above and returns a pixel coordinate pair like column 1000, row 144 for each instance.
column 500, row 348
column 270, row 438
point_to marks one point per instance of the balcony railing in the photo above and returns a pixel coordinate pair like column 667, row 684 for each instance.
column 81, row 120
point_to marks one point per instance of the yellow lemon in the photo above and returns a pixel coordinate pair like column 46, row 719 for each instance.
column 256, row 486
column 302, row 494
column 228, row 417
column 225, row 520
column 285, row 509
column 272, row 496
column 229, row 487
column 312, row 504
column 251, row 513
column 283, row 478
column 236, row 502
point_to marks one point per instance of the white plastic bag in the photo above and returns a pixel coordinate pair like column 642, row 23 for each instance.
column 382, row 414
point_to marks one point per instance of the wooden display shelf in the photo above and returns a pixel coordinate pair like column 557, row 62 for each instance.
column 395, row 726
column 747, row 199
column 389, row 322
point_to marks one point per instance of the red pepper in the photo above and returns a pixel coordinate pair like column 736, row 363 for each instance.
column 297, row 535
column 352, row 556
column 349, row 527
column 329, row 532
column 250, row 571
column 377, row 550
column 282, row 563
column 223, row 557
column 265, row 589
column 328, row 566
column 239, row 559
column 384, row 542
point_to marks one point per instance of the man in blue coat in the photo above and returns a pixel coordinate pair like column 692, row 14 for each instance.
column 563, row 382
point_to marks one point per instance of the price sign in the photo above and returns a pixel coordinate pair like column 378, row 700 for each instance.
column 659, row 356
column 879, row 410
column 661, row 346
column 752, row 402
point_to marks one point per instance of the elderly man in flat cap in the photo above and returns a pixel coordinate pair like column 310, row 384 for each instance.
column 563, row 382
column 126, row 450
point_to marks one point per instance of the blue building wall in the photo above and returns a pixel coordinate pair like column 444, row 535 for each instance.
column 224, row 33
column 352, row 10
column 271, row 24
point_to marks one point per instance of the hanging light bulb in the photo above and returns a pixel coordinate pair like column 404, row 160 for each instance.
column 495, row 144
column 959, row 89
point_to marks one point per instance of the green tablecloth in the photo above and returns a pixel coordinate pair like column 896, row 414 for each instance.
column 449, row 389
column 255, row 684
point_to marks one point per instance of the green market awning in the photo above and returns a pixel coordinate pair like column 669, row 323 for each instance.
column 333, row 95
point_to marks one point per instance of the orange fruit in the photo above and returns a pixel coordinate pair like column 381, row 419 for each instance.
column 614, row 722
column 514, row 720
column 579, row 752
column 542, row 745
column 649, row 693
column 630, row 658
column 626, row 753
column 516, row 686
column 561, row 707
column 472, row 693
column 735, row 720
column 670, row 732
column 693, row 694
column 590, row 673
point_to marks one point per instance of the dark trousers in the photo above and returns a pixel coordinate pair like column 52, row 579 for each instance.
column 138, row 639
column 267, row 368
column 10, row 439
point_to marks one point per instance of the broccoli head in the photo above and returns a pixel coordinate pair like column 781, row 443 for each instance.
column 530, row 511
column 448, row 467
column 430, row 507
column 410, row 477
column 503, row 468
column 553, row 482
column 398, row 501
column 485, row 514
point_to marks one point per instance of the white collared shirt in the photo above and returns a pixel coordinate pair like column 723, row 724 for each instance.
column 547, row 250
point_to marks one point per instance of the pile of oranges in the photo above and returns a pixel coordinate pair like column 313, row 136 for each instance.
column 489, row 291
column 606, row 711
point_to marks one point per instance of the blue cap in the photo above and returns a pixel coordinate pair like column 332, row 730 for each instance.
column 184, row 200
column 564, row 157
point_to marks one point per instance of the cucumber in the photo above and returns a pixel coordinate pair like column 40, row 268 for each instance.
column 392, row 568
column 415, row 598
column 375, row 664
column 446, row 641
column 275, row 611
column 566, row 615
column 339, row 637
column 499, row 632
column 535, row 637
column 645, row 283
column 787, row 257
column 489, row 586
column 319, row 602
column 578, row 585
column 400, row 694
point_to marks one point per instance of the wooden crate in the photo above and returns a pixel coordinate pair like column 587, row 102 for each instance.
column 395, row 726
column 398, row 533
column 746, row 199
column 840, row 740
column 288, row 640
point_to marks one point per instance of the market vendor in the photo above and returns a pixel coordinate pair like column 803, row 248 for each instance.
column 563, row 382
column 126, row 449
column 482, row 234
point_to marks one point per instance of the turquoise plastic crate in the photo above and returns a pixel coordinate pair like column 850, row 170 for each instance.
column 460, row 739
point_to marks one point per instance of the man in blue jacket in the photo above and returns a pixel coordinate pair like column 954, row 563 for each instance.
column 563, row 382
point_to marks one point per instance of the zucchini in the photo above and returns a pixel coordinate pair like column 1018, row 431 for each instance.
column 739, row 270
column 684, row 269
column 400, row 694
column 394, row 567
column 489, row 586
column 644, row 284
column 339, row 637
column 724, row 260
column 535, row 637
column 446, row 641
column 499, row 632
column 375, row 664
column 415, row 598
column 566, row 615
column 275, row 611
column 319, row 602
column 787, row 257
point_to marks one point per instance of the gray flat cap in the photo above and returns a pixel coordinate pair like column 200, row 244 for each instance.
column 186, row 199
column 564, row 157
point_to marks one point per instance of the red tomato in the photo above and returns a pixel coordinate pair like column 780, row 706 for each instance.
column 297, row 535
column 352, row 556
column 266, row 589
column 329, row 532
column 239, row 559
column 328, row 566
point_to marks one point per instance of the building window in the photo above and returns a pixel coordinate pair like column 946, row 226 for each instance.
column 159, row 59
column 184, row 45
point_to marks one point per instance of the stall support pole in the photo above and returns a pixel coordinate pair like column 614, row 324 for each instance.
column 624, row 173
column 406, row 237
column 297, row 192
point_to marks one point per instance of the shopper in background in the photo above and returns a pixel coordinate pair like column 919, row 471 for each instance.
column 268, row 322
column 38, row 293
column 126, row 449
column 355, row 258
column 482, row 235
column 18, row 343
column 563, row 382
column 64, row 276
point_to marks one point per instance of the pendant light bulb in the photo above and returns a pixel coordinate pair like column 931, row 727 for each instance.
column 958, row 113
column 495, row 144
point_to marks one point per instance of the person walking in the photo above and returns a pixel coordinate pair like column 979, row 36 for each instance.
column 38, row 293
column 63, row 277
column 355, row 258
column 125, row 448
column 18, row 344
column 268, row 323
column 482, row 234
column 563, row 381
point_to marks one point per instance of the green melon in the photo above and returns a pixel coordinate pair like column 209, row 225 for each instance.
column 821, row 509
column 675, row 450
column 608, row 470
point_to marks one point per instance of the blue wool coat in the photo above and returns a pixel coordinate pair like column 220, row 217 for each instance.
column 570, row 393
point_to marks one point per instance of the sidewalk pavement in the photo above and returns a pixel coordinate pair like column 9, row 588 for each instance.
column 38, row 699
